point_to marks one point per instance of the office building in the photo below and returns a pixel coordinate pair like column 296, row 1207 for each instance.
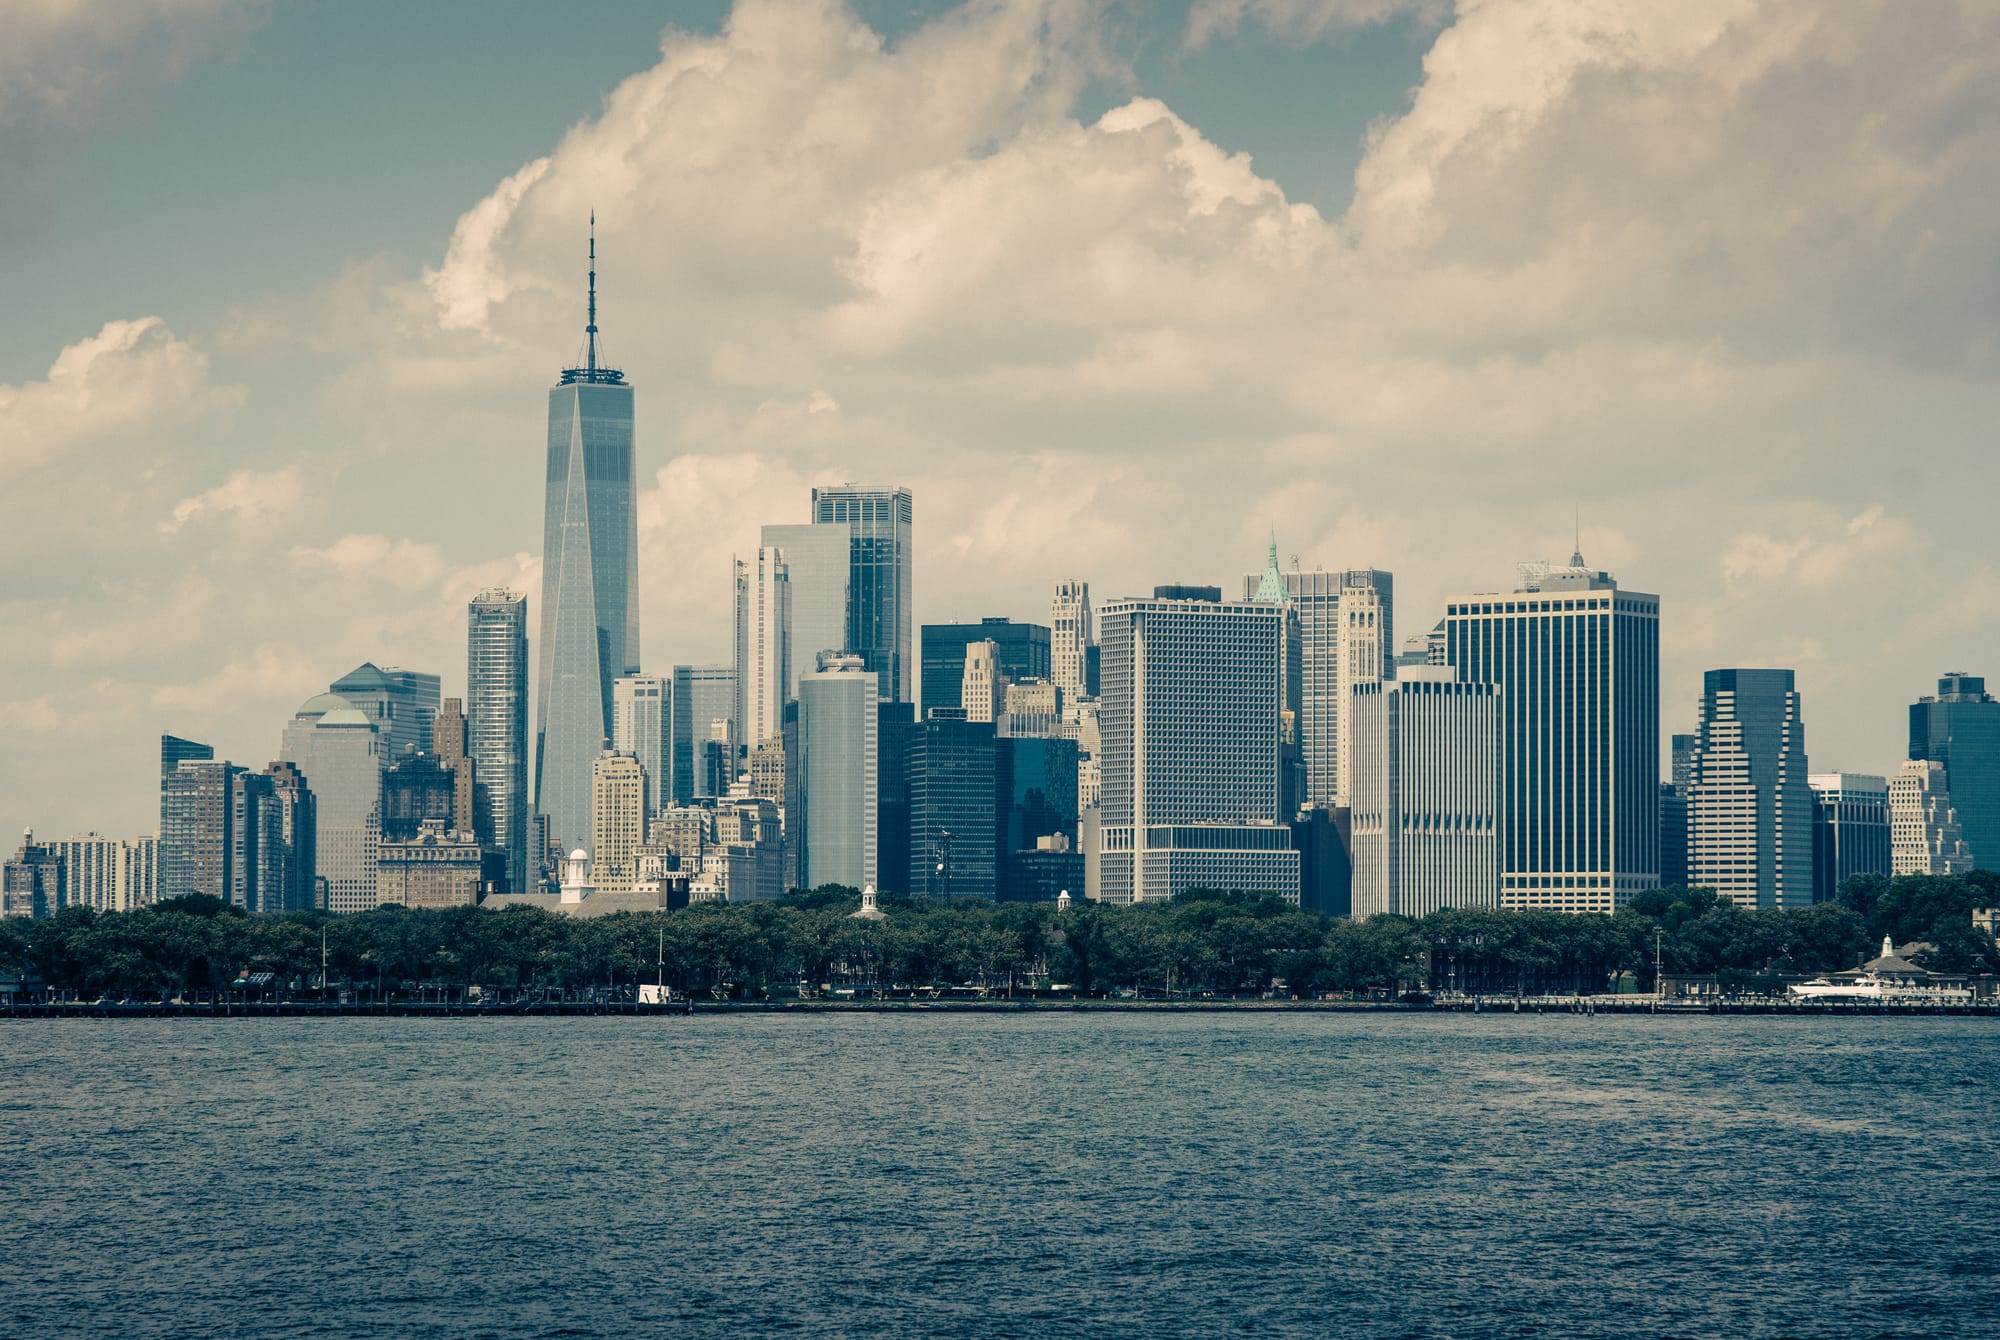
column 763, row 646
column 838, row 723
column 1034, row 707
column 590, row 581
column 403, row 705
column 1346, row 627
column 1925, row 837
column 744, row 861
column 1959, row 728
column 1072, row 633
column 881, row 588
column 703, row 719
column 448, row 738
column 496, row 723
column 1323, row 839
column 1674, row 815
column 1850, row 829
column 895, row 732
column 1750, row 812
column 642, row 726
column 1426, row 770
column 1037, row 815
column 173, row 750
column 343, row 757
column 1578, row 665
column 954, row 820
column 31, row 880
column 817, row 561
column 618, row 806
column 1021, row 651
column 198, row 836
column 982, row 686
column 416, row 789
column 292, row 876
column 433, row 867
column 1191, row 750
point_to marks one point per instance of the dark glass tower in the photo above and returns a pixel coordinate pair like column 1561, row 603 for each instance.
column 496, row 722
column 590, row 581
column 881, row 595
column 1960, row 728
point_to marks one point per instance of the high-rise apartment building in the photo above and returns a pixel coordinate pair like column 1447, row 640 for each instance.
column 31, row 881
column 173, row 750
column 1750, row 811
column 90, row 867
column 763, row 646
column 1426, row 772
column 1925, row 837
column 881, row 587
column 1346, row 628
column 1021, row 651
column 293, row 878
column 448, row 738
column 343, row 757
column 198, row 833
column 1959, row 727
column 1850, row 829
column 837, row 732
column 402, row 704
column 1072, row 633
column 817, row 562
column 1577, row 661
column 590, row 581
column 619, row 809
column 642, row 726
column 704, row 721
column 496, row 723
column 1189, row 719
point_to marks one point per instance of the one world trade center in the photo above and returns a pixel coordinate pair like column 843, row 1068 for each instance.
column 590, row 581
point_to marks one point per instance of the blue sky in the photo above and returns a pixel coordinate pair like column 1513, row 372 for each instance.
column 1116, row 288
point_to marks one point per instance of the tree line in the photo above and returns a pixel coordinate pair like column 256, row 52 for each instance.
column 1199, row 942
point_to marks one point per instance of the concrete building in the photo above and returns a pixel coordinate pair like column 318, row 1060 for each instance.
column 31, row 880
column 198, row 834
column 1189, row 719
column 1020, row 651
column 496, row 724
column 417, row 788
column 590, row 581
column 1750, row 811
column 642, row 726
column 618, row 810
column 1924, row 833
column 90, row 869
column 1033, row 707
column 434, row 867
column 448, row 737
column 1426, row 774
column 703, row 719
column 1850, row 829
column 343, row 757
column 837, row 733
column 1959, row 727
column 1072, row 634
column 763, row 646
column 745, row 861
column 1578, row 665
column 818, row 559
column 983, row 686
column 881, row 583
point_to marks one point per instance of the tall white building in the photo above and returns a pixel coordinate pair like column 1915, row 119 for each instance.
column 343, row 756
column 1750, row 810
column 1577, row 661
column 983, row 691
column 1346, row 621
column 1071, row 632
column 1426, row 769
column 837, row 809
column 1924, row 833
column 763, row 646
column 1189, row 718
column 642, row 726
column 618, row 819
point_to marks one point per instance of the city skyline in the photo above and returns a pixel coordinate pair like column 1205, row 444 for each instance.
column 256, row 551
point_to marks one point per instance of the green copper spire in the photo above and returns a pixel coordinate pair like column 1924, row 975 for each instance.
column 1272, row 590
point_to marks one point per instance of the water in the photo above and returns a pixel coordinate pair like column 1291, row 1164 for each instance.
column 914, row 1175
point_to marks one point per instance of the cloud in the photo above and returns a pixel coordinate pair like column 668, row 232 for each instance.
column 245, row 496
column 1301, row 21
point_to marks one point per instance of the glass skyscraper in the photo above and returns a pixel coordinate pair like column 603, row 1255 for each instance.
column 881, row 594
column 496, row 724
column 816, row 567
column 1749, row 808
column 590, row 582
column 1960, row 728
column 704, row 698
column 1024, row 654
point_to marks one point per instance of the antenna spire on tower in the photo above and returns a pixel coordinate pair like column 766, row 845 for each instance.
column 590, row 329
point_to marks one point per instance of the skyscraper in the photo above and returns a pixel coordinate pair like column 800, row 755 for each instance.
column 881, row 588
column 837, row 732
column 618, row 810
column 496, row 679
column 954, row 795
column 640, row 726
column 403, row 705
column 817, row 559
column 1191, row 749
column 1750, row 812
column 1346, row 637
column 590, row 581
column 1578, row 665
column 982, row 683
column 1850, row 829
column 704, row 711
column 763, row 646
column 294, row 881
column 173, row 749
column 1072, row 632
column 449, row 744
column 343, row 757
column 1426, row 773
column 1022, row 651
column 1674, row 815
column 1960, row 728
column 1925, row 837
column 198, row 831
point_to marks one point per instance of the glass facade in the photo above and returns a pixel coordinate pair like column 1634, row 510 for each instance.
column 881, row 591
column 1024, row 654
column 704, row 695
column 1749, row 809
column 496, row 722
column 590, row 592
column 1960, row 728
column 642, row 727
column 1346, row 627
column 816, row 561
column 837, row 746
column 1850, row 829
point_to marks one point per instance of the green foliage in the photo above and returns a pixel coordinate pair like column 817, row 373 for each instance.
column 1201, row 942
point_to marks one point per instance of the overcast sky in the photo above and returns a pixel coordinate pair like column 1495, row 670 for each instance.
column 1115, row 287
